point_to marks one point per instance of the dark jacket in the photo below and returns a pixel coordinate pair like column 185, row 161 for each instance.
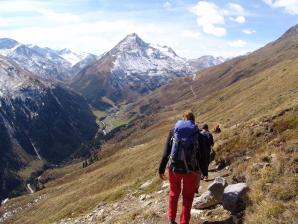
column 209, row 139
column 201, row 154
column 208, row 143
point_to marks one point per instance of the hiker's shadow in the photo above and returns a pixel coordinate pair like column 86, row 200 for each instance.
column 227, row 221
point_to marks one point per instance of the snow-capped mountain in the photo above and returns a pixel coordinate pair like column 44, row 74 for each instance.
column 205, row 62
column 72, row 57
column 131, row 68
column 14, row 82
column 87, row 60
column 38, row 120
column 45, row 62
column 134, row 56
column 42, row 62
column 52, row 55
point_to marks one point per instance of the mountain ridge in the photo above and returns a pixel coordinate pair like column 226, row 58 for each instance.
column 45, row 62
column 130, row 69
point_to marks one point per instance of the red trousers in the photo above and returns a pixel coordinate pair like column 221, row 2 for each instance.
column 189, row 181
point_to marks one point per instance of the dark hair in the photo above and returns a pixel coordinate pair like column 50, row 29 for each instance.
column 188, row 115
column 205, row 126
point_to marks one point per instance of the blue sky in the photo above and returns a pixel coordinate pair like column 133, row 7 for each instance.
column 192, row 28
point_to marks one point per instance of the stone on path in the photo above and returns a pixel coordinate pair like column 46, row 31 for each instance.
column 212, row 196
column 233, row 197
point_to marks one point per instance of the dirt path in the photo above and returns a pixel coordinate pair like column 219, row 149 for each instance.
column 137, row 208
column 193, row 92
column 191, row 88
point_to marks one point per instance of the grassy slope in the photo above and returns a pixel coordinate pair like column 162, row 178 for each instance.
column 128, row 163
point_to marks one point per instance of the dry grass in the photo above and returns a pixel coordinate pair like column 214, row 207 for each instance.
column 270, row 170
column 35, row 165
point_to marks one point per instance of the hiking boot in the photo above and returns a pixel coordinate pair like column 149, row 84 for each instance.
column 172, row 222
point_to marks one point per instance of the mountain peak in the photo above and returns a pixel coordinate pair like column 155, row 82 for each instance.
column 132, row 37
column 293, row 31
column 65, row 51
column 131, row 41
column 7, row 43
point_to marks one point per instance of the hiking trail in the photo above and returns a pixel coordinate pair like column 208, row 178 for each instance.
column 139, row 207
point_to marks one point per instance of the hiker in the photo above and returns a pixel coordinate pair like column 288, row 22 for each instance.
column 182, row 152
column 209, row 142
column 217, row 129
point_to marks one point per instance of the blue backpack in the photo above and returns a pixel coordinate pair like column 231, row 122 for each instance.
column 184, row 152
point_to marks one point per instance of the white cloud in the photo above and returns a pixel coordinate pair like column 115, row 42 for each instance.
column 60, row 17
column 249, row 31
column 235, row 8
column 167, row 5
column 237, row 43
column 209, row 18
column 191, row 34
column 291, row 6
column 23, row 6
column 238, row 19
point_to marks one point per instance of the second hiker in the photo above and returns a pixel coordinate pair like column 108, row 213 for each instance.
column 209, row 142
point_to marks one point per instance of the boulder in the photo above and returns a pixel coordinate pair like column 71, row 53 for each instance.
column 206, row 200
column 217, row 188
column 233, row 197
column 212, row 196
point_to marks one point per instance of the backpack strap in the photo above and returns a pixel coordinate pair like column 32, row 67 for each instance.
column 184, row 160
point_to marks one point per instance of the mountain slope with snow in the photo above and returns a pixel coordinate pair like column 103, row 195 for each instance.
column 205, row 62
column 45, row 62
column 87, row 60
column 132, row 68
column 38, row 120
column 41, row 61
column 72, row 57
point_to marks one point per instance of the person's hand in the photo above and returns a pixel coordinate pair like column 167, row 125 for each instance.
column 162, row 176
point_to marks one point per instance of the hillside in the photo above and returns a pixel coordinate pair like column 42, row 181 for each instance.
column 41, row 122
column 210, row 81
column 253, row 98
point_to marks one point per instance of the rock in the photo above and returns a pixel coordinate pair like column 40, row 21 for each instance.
column 206, row 200
column 233, row 197
column 143, row 197
column 217, row 188
column 146, row 184
column 212, row 196
column 147, row 203
column 165, row 185
column 196, row 212
column 259, row 166
column 247, row 158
